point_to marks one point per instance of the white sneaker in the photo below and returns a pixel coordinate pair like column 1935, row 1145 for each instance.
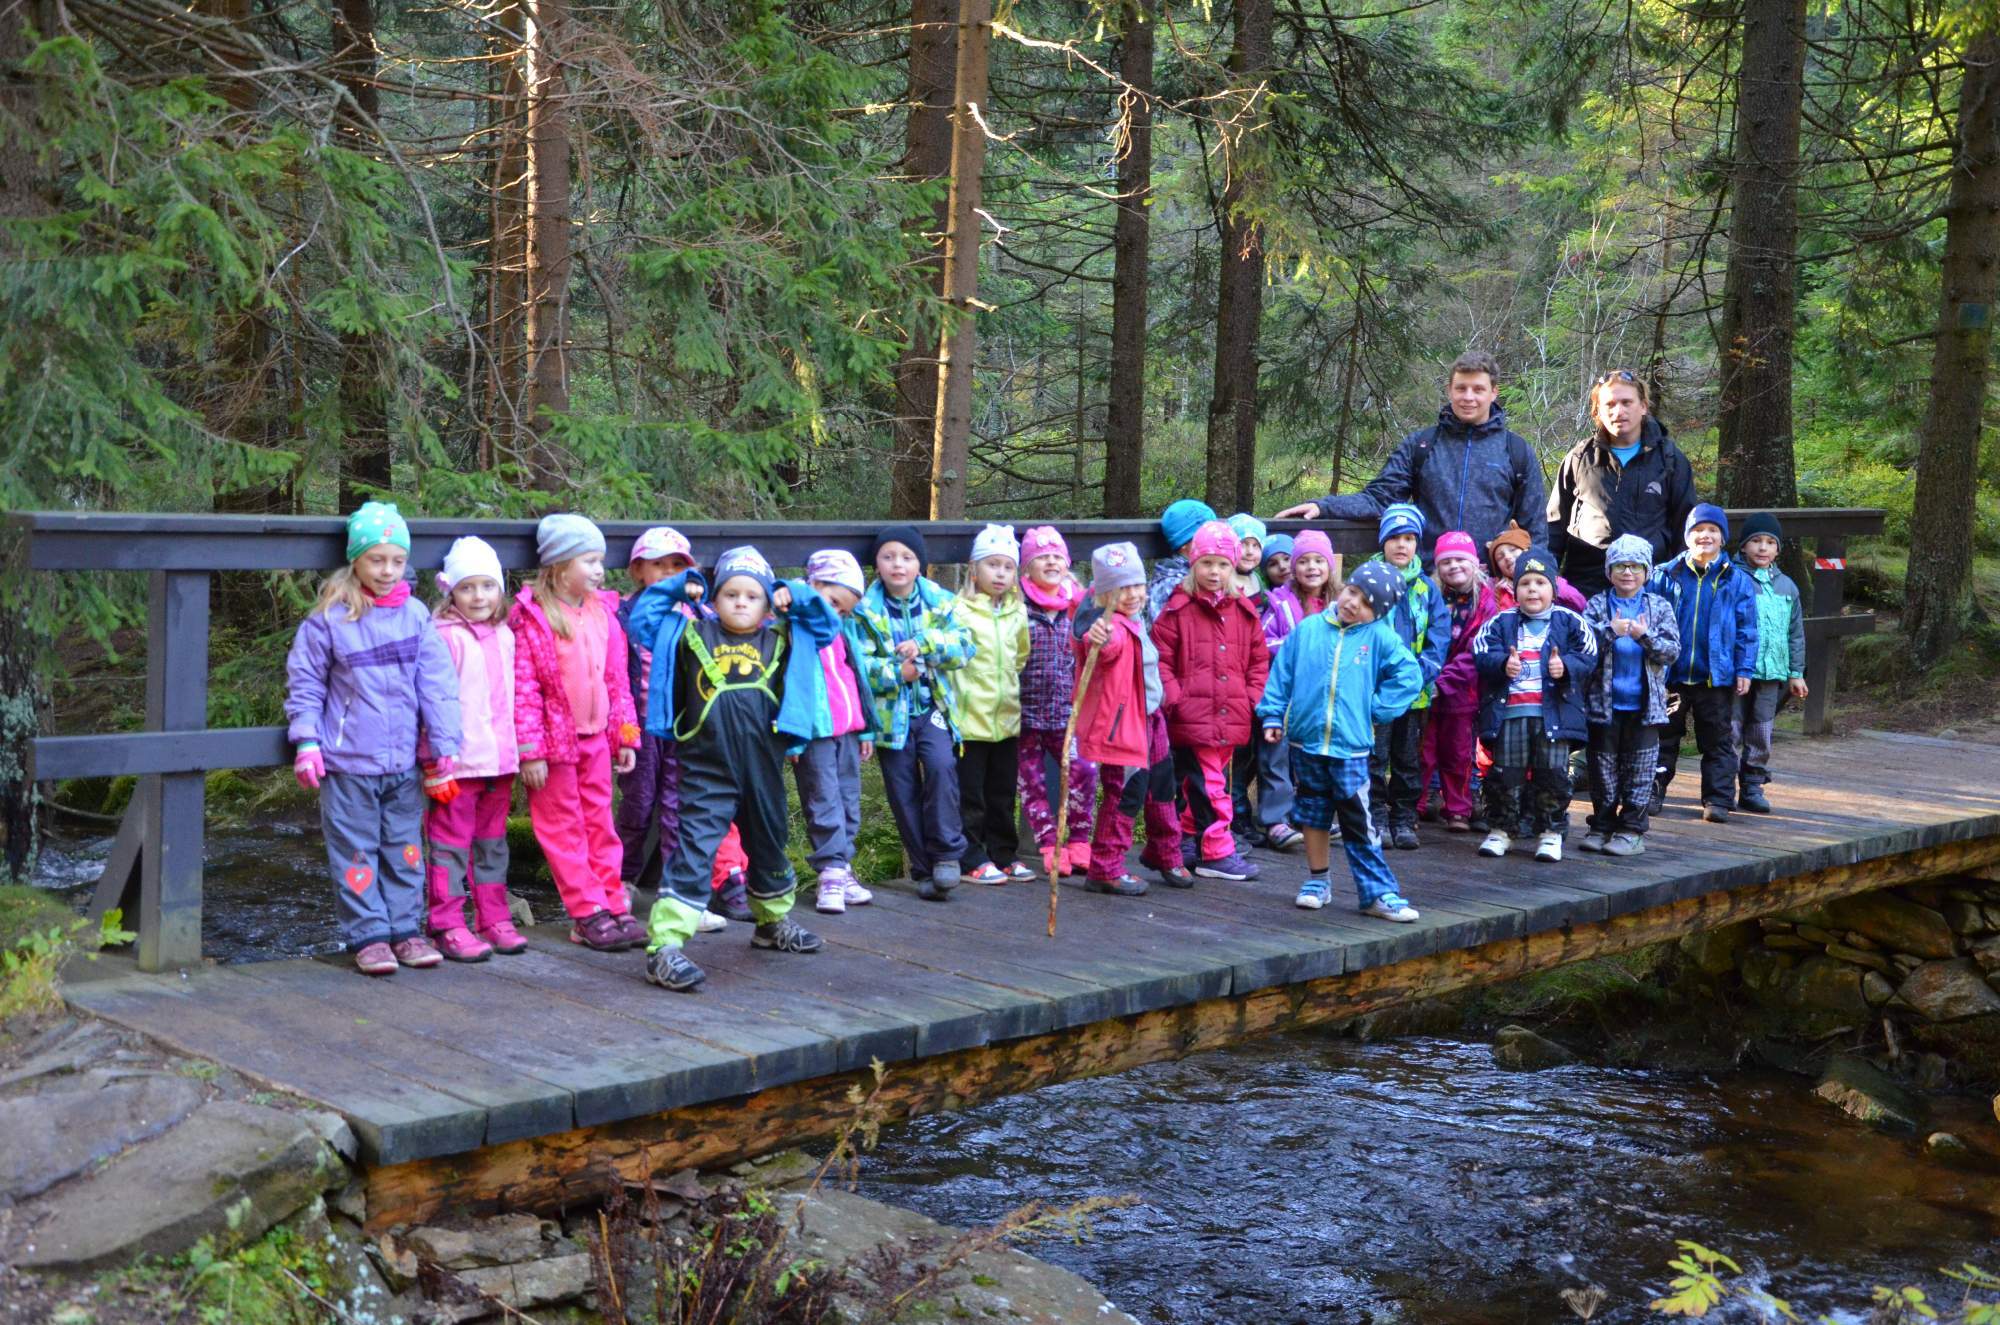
column 1313, row 894
column 1391, row 907
column 832, row 898
column 710, row 923
column 1550, row 847
column 1594, row 840
column 1496, row 844
column 851, row 889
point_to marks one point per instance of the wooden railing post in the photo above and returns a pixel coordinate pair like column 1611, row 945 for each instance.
column 172, row 804
column 1823, row 663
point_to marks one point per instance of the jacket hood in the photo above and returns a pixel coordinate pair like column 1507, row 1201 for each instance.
column 1652, row 434
column 1449, row 425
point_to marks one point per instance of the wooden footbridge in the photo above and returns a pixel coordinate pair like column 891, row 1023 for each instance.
column 549, row 1077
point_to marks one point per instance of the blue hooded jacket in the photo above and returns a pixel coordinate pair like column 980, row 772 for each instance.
column 1331, row 684
column 1717, row 611
column 812, row 625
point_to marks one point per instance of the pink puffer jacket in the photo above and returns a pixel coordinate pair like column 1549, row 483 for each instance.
column 544, row 727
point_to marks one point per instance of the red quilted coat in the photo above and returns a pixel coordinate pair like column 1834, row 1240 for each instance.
column 543, row 724
column 1213, row 662
column 1111, row 714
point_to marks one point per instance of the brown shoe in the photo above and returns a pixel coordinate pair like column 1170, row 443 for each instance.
column 600, row 932
column 416, row 951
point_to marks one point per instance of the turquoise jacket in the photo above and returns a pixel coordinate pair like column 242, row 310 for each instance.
column 1331, row 684
column 1422, row 620
column 807, row 626
column 944, row 645
column 1781, row 625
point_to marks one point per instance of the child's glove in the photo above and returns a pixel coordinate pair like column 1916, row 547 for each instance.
column 628, row 735
column 308, row 767
column 441, row 780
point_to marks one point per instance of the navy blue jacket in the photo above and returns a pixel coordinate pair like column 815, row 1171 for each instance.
column 1563, row 717
column 1472, row 478
column 1717, row 611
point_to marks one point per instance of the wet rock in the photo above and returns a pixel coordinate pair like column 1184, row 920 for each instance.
column 1788, row 942
column 1986, row 954
column 1763, row 969
column 1946, row 1148
column 1904, row 962
column 1518, row 1049
column 773, row 1170
column 1856, row 939
column 230, row 1171
column 1717, row 951
column 501, row 1240
column 518, row 908
column 1826, row 996
column 1895, row 922
column 1874, row 961
column 1814, row 934
column 1966, row 917
column 1864, row 1091
column 57, row 1134
column 1876, row 989
column 1948, row 991
column 998, row 1283
column 1429, row 1016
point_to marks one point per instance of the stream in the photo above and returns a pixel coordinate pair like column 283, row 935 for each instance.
column 1316, row 1178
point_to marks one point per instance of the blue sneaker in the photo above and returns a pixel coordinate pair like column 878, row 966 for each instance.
column 1313, row 894
column 1231, row 866
column 1391, row 906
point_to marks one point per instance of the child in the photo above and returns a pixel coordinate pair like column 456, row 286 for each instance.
column 1119, row 725
column 1535, row 660
column 1047, row 684
column 1308, row 590
column 364, row 668
column 649, row 795
column 1423, row 622
column 467, row 830
column 989, row 692
column 736, row 693
column 913, row 646
column 572, row 709
column 1508, row 545
column 1212, row 667
column 1178, row 524
column 1339, row 675
column 1637, row 638
column 1450, row 736
column 1781, row 659
column 1715, row 603
column 828, row 770
column 1258, row 762
column 1277, row 567
column 1250, row 532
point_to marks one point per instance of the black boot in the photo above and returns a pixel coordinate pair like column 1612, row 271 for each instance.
column 732, row 899
column 1753, row 800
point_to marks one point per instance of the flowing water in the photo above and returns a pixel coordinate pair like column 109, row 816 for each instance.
column 1319, row 1179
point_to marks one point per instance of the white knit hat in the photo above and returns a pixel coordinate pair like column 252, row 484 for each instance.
column 996, row 540
column 468, row 557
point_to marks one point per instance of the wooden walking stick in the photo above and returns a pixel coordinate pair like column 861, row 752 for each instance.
column 1051, row 856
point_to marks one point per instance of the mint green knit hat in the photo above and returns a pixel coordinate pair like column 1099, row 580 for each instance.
column 376, row 523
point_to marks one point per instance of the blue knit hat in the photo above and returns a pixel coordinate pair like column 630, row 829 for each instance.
column 1245, row 525
column 745, row 560
column 1180, row 520
column 1277, row 545
column 1628, row 550
column 1707, row 514
column 1380, row 583
column 1535, row 561
column 1399, row 517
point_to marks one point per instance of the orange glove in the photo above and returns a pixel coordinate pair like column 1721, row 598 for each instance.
column 441, row 780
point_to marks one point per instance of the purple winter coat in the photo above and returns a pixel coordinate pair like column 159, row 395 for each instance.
column 360, row 688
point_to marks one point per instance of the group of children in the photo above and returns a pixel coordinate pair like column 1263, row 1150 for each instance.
column 658, row 726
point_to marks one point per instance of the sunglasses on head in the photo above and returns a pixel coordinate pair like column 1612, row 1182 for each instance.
column 1618, row 375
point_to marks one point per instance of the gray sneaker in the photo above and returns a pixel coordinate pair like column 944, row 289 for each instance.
column 669, row 968
column 946, row 874
column 786, row 935
column 1625, row 844
column 1592, row 841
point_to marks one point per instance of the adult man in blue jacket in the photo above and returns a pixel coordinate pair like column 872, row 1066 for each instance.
column 1467, row 471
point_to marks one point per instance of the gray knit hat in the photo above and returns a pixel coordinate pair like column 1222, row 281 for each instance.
column 1116, row 566
column 560, row 537
column 1628, row 550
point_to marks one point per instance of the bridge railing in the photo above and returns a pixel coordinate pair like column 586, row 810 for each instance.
column 155, row 867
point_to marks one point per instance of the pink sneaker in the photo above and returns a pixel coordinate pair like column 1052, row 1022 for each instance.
column 462, row 945
column 416, row 952
column 376, row 959
column 506, row 939
column 633, row 929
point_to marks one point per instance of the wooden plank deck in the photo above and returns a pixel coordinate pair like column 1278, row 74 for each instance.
column 559, row 1040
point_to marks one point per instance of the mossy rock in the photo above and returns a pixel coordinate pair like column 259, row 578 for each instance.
column 25, row 910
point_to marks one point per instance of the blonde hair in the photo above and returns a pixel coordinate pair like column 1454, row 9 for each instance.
column 343, row 589
column 499, row 617
column 546, row 598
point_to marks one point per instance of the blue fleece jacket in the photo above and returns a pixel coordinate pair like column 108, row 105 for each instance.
column 1331, row 684
column 1716, row 607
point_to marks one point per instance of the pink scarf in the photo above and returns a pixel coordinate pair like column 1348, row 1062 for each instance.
column 1059, row 599
column 396, row 597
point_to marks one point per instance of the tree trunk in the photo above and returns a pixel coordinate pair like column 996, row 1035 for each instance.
column 926, row 156
column 547, row 267
column 1937, row 596
column 958, row 340
column 1760, row 291
column 364, row 397
column 1124, row 427
column 507, row 254
column 1232, row 410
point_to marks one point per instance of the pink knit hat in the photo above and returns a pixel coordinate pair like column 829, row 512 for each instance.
column 1309, row 542
column 1456, row 543
column 1043, row 538
column 1215, row 539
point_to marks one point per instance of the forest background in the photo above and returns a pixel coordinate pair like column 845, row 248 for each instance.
column 682, row 261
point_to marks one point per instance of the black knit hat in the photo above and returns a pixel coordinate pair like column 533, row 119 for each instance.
column 1763, row 522
column 906, row 534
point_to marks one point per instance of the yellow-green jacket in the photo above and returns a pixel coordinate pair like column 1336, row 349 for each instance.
column 989, row 687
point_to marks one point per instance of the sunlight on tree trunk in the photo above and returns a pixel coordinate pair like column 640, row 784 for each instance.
column 926, row 156
column 958, row 341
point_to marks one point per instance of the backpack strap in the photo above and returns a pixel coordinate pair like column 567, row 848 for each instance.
column 719, row 682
